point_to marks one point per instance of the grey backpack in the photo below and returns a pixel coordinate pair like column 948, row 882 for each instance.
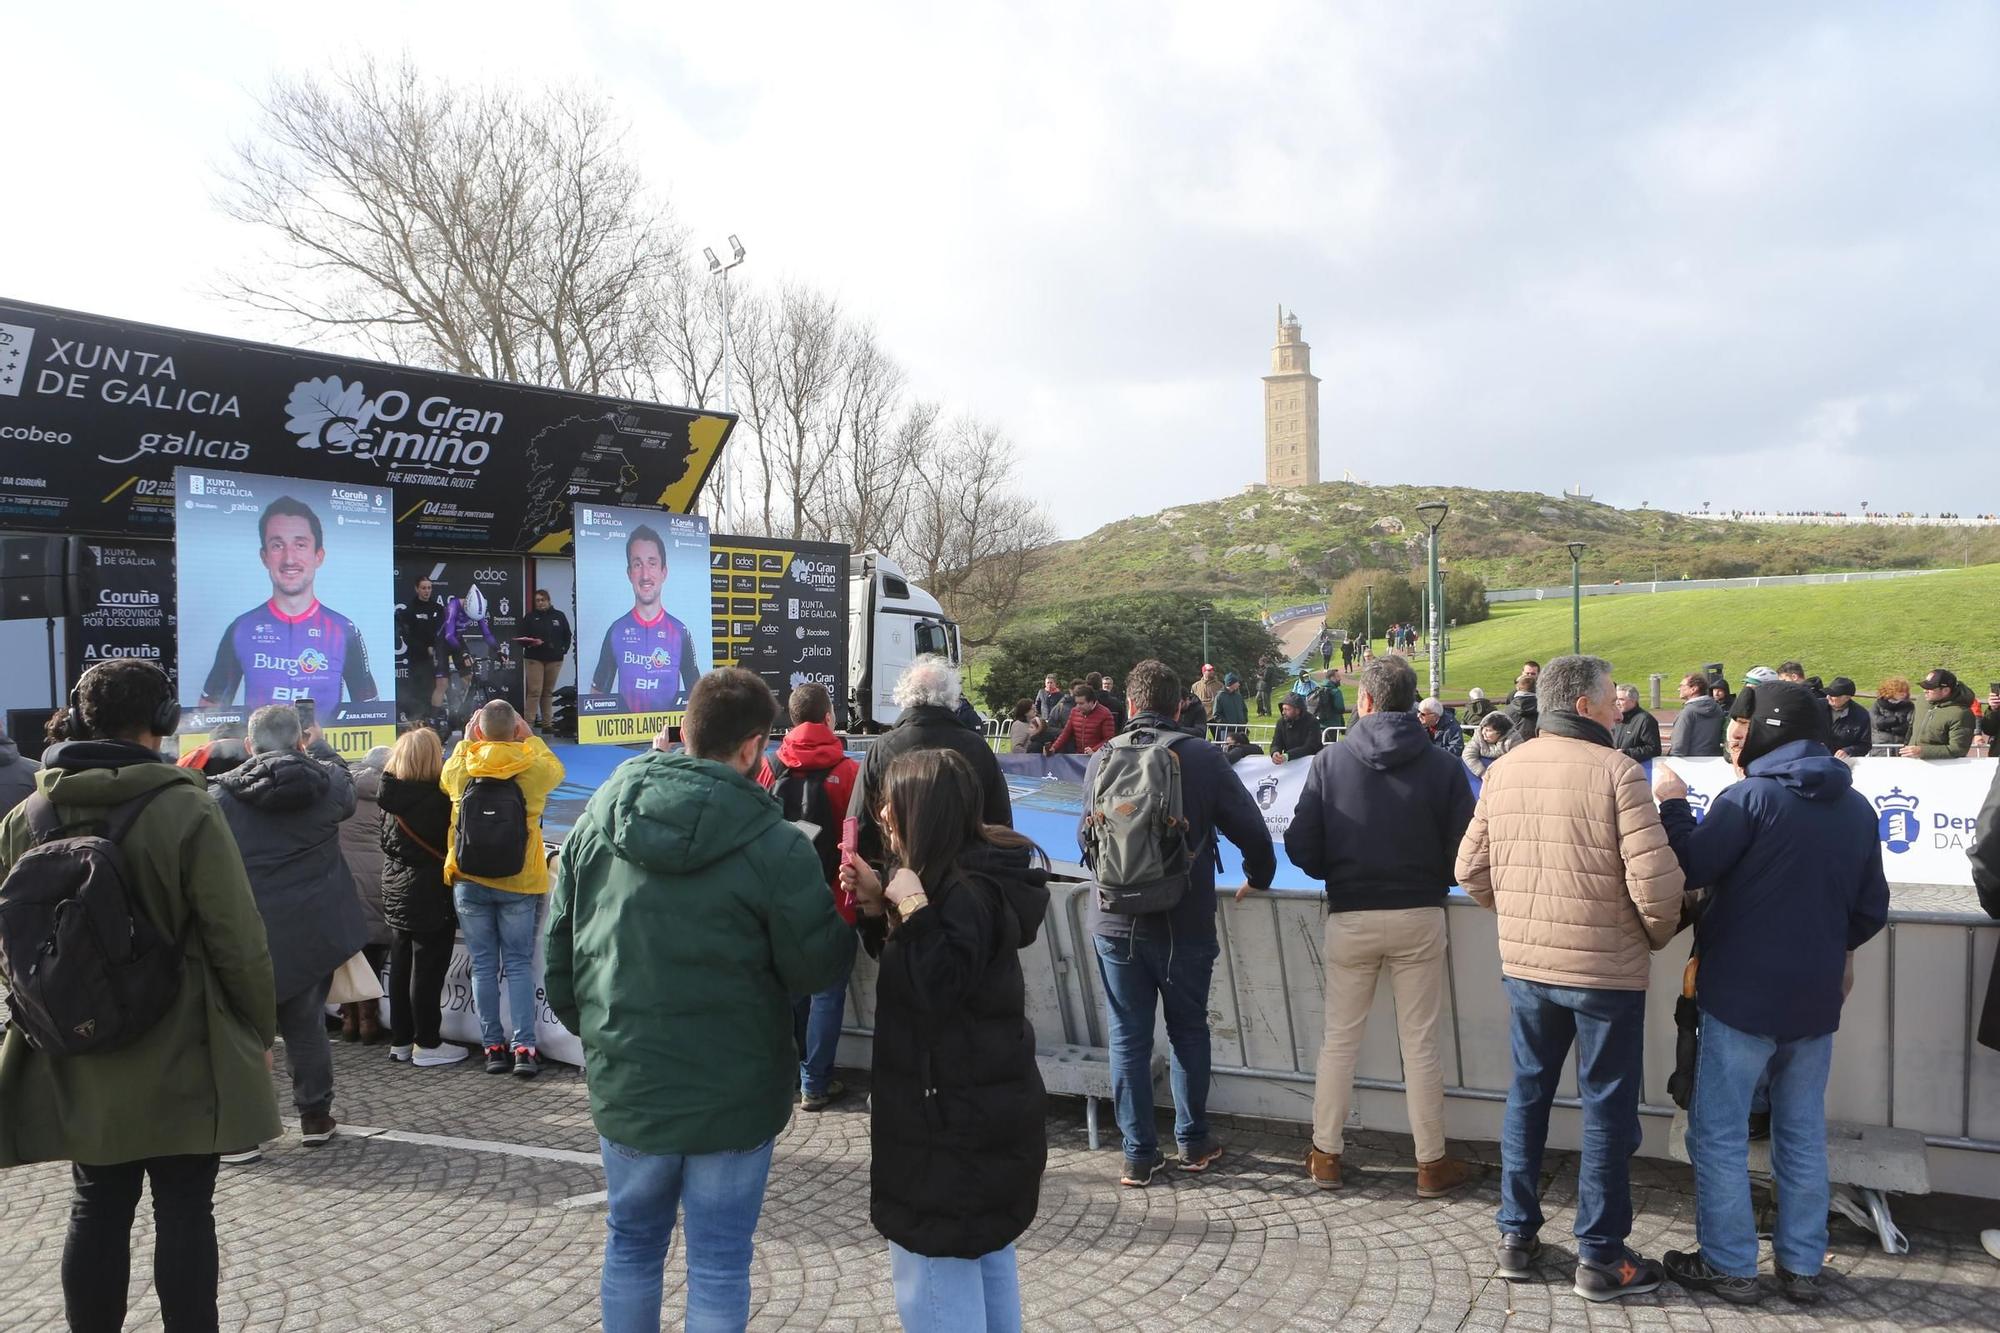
column 1135, row 833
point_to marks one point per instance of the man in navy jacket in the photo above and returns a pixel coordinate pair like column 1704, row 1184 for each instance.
column 1380, row 821
column 1788, row 854
column 1169, row 957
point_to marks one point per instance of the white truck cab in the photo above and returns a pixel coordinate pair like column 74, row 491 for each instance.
column 890, row 623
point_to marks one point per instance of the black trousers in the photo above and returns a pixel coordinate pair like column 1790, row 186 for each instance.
column 97, row 1253
column 417, row 964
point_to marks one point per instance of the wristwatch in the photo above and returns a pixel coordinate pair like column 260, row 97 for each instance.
column 910, row 905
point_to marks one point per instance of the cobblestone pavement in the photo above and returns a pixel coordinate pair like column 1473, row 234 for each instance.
column 370, row 1233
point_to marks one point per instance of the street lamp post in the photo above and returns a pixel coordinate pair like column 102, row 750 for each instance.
column 1576, row 550
column 1206, row 611
column 720, row 271
column 1369, row 641
column 1433, row 513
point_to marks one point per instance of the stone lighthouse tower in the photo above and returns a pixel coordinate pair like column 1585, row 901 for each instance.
column 1291, row 410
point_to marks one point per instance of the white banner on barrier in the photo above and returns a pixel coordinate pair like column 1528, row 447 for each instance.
column 1925, row 809
column 1275, row 788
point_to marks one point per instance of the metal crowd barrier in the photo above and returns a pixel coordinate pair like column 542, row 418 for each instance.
column 1905, row 1056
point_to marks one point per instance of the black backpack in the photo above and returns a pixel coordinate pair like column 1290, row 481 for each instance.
column 492, row 837
column 802, row 792
column 86, row 971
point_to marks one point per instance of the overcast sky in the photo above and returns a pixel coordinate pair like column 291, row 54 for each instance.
column 1740, row 253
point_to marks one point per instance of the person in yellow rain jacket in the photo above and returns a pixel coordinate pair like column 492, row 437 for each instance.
column 499, row 779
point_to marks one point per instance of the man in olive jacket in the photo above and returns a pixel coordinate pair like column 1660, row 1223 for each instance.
column 686, row 913
column 197, row 1083
column 1945, row 723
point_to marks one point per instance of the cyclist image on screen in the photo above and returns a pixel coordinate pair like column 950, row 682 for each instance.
column 648, row 658
column 290, row 647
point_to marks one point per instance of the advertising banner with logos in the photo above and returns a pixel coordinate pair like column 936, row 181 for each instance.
column 285, row 593
column 642, row 620
column 779, row 608
column 474, row 618
column 96, row 413
column 1925, row 809
column 122, row 600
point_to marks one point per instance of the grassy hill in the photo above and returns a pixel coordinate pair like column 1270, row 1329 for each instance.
column 1900, row 627
column 1276, row 547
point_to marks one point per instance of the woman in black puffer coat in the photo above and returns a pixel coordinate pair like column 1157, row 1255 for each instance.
column 958, row 1105
column 416, row 821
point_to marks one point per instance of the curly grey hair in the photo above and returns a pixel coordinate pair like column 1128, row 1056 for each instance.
column 930, row 679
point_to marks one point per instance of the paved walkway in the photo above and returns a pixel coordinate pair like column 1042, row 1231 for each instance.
column 380, row 1233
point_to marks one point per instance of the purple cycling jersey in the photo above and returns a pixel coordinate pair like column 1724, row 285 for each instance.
column 650, row 664
column 278, row 658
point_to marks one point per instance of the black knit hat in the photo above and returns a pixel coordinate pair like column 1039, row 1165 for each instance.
column 1840, row 687
column 1785, row 712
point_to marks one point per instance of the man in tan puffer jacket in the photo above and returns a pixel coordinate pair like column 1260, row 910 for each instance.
column 1566, row 845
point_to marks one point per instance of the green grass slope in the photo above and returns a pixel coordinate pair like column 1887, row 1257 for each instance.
column 1893, row 627
column 1274, row 548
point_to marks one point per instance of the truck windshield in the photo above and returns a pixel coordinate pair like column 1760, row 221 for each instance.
column 933, row 638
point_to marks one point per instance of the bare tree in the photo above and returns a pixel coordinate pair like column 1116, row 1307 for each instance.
column 878, row 446
column 806, row 350
column 688, row 320
column 478, row 230
column 753, row 351
column 975, row 541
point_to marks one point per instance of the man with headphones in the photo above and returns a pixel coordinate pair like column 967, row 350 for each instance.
column 201, row 1070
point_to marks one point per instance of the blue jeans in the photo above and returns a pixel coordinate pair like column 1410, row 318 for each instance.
column 1608, row 1028
column 500, row 935
column 1140, row 974
column 1731, row 1066
column 956, row 1295
column 816, row 1026
column 721, row 1194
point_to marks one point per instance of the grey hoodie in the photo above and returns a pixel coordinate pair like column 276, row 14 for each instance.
column 1700, row 729
column 17, row 775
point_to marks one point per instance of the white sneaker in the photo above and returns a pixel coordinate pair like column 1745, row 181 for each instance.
column 444, row 1053
column 401, row 1053
column 242, row 1158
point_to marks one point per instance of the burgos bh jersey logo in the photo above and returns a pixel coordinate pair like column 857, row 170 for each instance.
column 312, row 661
column 1898, row 827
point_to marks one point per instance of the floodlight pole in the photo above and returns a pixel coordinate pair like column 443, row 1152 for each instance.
column 1434, row 513
column 1576, row 550
column 720, row 271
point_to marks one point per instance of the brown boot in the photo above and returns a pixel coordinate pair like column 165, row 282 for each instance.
column 372, row 1032
column 350, row 1022
column 1324, row 1168
column 1441, row 1177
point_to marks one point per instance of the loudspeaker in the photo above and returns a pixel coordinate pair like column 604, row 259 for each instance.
column 25, row 726
column 31, row 578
